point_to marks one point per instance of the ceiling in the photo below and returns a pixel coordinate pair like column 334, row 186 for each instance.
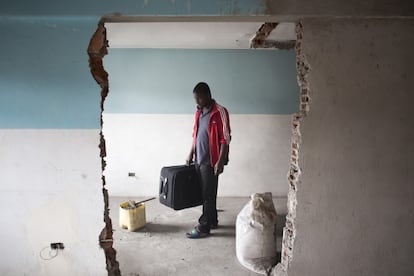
column 192, row 35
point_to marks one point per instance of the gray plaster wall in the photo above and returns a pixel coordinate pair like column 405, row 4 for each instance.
column 350, row 8
column 355, row 212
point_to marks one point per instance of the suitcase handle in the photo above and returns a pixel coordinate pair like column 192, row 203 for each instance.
column 163, row 187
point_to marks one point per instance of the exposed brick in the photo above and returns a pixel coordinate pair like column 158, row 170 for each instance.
column 97, row 49
column 289, row 231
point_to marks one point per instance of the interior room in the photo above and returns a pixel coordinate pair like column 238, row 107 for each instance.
column 347, row 135
column 147, row 124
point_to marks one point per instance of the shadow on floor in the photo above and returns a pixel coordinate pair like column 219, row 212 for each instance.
column 162, row 228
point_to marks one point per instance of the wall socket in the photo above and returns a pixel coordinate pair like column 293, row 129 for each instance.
column 131, row 174
column 57, row 245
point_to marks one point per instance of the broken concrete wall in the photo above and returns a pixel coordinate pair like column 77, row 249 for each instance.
column 355, row 210
column 49, row 182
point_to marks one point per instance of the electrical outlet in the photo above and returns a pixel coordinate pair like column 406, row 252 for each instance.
column 57, row 245
column 131, row 174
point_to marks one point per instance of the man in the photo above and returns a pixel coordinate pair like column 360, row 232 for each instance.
column 210, row 148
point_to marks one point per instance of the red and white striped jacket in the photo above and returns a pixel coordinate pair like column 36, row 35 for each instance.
column 219, row 131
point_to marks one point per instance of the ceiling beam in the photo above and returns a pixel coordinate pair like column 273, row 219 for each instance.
column 264, row 31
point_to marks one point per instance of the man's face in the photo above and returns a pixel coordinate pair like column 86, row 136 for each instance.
column 202, row 100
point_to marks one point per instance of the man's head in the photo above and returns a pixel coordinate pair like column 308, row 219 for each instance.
column 202, row 94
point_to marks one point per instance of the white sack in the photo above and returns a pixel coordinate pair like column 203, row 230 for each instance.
column 256, row 234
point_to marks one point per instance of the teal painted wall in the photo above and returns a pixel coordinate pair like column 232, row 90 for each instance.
column 44, row 76
column 162, row 80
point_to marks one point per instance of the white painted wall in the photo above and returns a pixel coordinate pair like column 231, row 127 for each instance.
column 50, row 191
column 144, row 143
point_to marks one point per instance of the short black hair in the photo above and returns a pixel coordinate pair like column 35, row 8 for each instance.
column 202, row 88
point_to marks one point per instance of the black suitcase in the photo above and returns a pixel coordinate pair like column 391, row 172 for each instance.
column 180, row 187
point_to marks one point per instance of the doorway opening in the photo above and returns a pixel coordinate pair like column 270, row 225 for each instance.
column 99, row 48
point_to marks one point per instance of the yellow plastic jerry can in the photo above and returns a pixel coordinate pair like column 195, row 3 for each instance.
column 131, row 218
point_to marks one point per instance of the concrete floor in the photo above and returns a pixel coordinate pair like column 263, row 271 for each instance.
column 161, row 248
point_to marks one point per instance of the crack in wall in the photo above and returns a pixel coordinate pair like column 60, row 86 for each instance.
column 289, row 231
column 97, row 49
column 261, row 40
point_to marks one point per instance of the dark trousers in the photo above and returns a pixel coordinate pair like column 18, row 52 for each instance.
column 209, row 183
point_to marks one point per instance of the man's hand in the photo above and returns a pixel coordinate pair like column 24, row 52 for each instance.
column 189, row 159
column 218, row 168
